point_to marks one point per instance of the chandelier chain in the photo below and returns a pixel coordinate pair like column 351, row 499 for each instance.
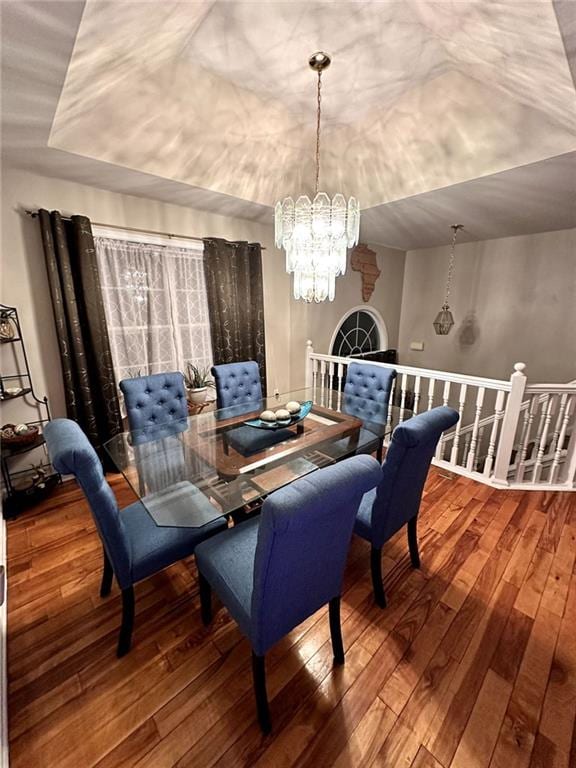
column 318, row 115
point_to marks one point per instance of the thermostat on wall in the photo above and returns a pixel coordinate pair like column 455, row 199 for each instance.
column 417, row 346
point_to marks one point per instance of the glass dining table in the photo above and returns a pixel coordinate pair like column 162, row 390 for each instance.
column 192, row 471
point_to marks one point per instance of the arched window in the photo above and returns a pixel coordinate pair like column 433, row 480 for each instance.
column 361, row 330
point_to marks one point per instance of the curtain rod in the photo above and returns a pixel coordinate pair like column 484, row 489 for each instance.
column 34, row 214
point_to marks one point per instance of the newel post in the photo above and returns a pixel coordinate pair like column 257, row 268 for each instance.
column 308, row 364
column 510, row 424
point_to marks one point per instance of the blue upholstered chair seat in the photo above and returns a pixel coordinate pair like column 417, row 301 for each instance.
column 227, row 561
column 274, row 571
column 396, row 501
column 156, row 547
column 363, row 524
column 247, row 440
column 134, row 546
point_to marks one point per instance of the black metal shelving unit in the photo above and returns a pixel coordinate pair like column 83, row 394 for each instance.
column 21, row 489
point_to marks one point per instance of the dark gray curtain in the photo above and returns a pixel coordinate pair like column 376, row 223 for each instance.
column 89, row 384
column 233, row 272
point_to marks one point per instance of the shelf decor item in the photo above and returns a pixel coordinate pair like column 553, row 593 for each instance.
column 7, row 329
column 316, row 234
column 444, row 320
column 281, row 420
column 14, row 435
column 23, row 487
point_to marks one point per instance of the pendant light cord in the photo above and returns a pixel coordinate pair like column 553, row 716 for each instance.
column 319, row 111
column 455, row 228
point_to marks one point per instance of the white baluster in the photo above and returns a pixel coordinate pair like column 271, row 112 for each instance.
column 340, row 377
column 570, row 400
column 529, row 414
column 446, row 393
column 455, row 444
column 314, row 379
column 471, row 455
column 547, row 410
column 431, row 394
column 498, row 416
column 331, row 393
column 416, row 393
column 322, row 382
column 563, row 400
column 391, row 405
column 467, row 440
column 402, row 397
column 443, row 438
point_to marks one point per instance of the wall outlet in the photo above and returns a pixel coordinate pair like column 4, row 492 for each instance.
column 417, row 346
column 276, row 392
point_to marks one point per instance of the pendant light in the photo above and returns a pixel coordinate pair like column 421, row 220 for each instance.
column 444, row 319
column 316, row 234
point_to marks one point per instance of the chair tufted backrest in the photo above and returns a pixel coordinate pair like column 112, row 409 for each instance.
column 303, row 541
column 237, row 383
column 71, row 454
column 367, row 392
column 154, row 400
column 405, row 469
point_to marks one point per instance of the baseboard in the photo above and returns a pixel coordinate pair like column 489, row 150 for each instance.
column 3, row 670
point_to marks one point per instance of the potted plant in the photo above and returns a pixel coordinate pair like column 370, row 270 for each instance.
column 197, row 382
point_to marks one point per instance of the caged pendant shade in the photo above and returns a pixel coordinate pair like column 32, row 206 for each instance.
column 316, row 234
column 444, row 320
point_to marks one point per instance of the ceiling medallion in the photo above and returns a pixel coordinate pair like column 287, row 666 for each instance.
column 444, row 319
column 317, row 234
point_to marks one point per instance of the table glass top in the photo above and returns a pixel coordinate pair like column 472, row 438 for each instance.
column 192, row 471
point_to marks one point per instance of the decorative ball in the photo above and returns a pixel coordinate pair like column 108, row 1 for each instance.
column 21, row 429
column 293, row 407
column 268, row 416
column 282, row 414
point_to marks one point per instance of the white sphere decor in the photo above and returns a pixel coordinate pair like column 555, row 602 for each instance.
column 293, row 407
column 268, row 416
column 282, row 415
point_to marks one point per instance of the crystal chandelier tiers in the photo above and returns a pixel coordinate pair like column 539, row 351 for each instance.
column 444, row 319
column 316, row 234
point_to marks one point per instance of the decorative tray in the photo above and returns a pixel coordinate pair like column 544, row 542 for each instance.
column 305, row 409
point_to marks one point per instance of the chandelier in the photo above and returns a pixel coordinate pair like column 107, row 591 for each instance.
column 444, row 319
column 316, row 234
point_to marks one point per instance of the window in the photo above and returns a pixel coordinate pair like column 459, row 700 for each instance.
column 360, row 331
column 156, row 305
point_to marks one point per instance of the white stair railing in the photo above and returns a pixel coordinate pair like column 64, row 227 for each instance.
column 510, row 434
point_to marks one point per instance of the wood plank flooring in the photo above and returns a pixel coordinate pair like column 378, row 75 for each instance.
column 472, row 665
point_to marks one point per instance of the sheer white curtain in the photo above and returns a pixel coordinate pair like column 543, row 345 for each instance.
column 156, row 306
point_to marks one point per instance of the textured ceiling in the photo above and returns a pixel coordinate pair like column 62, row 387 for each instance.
column 429, row 107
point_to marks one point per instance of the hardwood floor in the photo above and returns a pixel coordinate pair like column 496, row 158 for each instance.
column 472, row 665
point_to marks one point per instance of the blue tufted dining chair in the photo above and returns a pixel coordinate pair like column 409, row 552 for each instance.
column 237, row 384
column 396, row 501
column 274, row 571
column 238, row 388
column 366, row 396
column 156, row 399
column 134, row 546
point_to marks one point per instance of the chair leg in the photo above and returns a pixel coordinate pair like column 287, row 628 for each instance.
column 336, row 630
column 205, row 599
column 413, row 542
column 376, row 568
column 259, row 677
column 107, row 574
column 380, row 451
column 125, row 639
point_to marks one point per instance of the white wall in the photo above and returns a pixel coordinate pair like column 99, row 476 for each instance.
column 513, row 299
column 25, row 284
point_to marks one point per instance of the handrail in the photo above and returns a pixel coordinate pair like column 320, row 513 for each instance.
column 424, row 373
column 526, row 440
